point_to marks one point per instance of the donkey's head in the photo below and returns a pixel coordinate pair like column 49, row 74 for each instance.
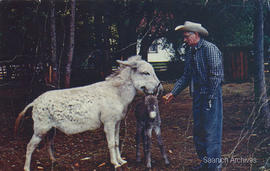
column 151, row 103
column 142, row 75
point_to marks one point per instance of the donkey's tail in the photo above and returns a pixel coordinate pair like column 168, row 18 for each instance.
column 20, row 116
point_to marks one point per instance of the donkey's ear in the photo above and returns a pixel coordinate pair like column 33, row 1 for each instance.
column 135, row 58
column 132, row 64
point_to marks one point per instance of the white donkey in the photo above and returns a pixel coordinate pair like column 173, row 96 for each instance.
column 85, row 108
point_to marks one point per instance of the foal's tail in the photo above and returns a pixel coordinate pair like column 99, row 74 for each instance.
column 17, row 123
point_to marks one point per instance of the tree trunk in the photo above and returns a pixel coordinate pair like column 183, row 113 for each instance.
column 127, row 38
column 259, row 76
column 145, row 44
column 54, row 76
column 127, row 41
column 99, row 30
column 127, row 24
column 71, row 43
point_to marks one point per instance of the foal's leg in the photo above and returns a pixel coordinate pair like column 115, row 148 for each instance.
column 31, row 146
column 161, row 146
column 139, row 132
column 109, row 129
column 144, row 139
column 50, row 144
column 118, row 154
column 148, row 136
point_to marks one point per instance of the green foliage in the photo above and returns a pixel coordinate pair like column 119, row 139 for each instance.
column 111, row 25
column 267, row 39
column 242, row 34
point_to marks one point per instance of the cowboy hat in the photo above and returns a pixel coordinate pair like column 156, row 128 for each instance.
column 194, row 27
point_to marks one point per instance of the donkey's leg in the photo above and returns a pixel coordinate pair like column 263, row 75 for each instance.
column 50, row 144
column 139, row 132
column 118, row 154
column 144, row 140
column 161, row 146
column 109, row 129
column 148, row 146
column 31, row 146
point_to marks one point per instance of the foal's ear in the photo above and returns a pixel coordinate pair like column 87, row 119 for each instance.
column 132, row 64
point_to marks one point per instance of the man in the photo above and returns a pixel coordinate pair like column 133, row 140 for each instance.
column 204, row 71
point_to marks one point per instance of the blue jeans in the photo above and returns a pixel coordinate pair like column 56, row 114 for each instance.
column 207, row 130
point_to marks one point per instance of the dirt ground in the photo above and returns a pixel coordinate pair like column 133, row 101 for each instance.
column 88, row 151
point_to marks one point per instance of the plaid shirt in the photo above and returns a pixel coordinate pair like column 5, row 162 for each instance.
column 203, row 68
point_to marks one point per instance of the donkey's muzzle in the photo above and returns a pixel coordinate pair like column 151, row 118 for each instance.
column 158, row 89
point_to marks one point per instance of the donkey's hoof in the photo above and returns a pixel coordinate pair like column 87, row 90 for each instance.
column 149, row 166
column 138, row 160
column 116, row 166
column 53, row 160
column 167, row 163
column 26, row 169
column 122, row 162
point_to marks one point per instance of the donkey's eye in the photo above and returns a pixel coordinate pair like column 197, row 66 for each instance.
column 145, row 73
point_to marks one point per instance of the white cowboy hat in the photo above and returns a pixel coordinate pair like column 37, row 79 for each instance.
column 194, row 27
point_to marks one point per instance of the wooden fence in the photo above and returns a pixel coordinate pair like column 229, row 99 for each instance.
column 237, row 64
column 20, row 72
column 238, row 67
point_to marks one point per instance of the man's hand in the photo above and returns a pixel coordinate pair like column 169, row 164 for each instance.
column 167, row 98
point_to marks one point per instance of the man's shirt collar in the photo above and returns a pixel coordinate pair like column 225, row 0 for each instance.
column 199, row 45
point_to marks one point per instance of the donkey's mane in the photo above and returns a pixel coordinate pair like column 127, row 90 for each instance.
column 115, row 73
column 119, row 77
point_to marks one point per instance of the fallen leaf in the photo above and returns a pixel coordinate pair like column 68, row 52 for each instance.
column 40, row 168
column 86, row 158
column 102, row 164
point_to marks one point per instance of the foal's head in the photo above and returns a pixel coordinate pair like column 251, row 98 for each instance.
column 151, row 102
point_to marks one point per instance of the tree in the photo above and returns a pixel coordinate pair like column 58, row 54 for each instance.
column 71, row 43
column 268, row 5
column 129, row 16
column 55, row 79
column 152, row 27
column 259, row 76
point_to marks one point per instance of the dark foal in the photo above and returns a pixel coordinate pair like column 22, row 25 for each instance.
column 148, row 118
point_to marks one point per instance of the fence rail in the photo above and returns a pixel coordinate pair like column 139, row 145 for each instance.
column 160, row 66
column 238, row 66
column 18, row 72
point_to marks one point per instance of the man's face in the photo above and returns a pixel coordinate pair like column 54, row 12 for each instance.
column 191, row 38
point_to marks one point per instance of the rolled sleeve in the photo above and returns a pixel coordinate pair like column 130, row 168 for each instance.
column 183, row 82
